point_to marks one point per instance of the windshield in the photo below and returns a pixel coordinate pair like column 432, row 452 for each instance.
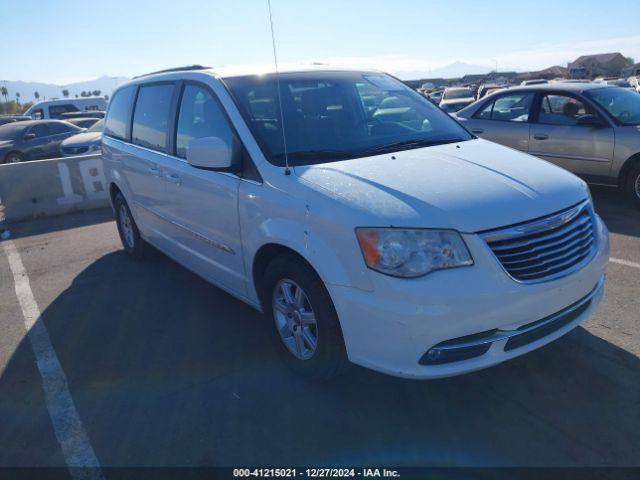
column 96, row 127
column 457, row 93
column 331, row 116
column 621, row 103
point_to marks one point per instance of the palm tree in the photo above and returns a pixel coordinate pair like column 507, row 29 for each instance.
column 65, row 93
column 36, row 95
column 18, row 98
column 4, row 92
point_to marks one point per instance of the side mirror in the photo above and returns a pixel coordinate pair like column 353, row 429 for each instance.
column 589, row 120
column 210, row 152
column 29, row 136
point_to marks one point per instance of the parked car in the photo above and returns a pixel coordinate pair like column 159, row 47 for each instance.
column 436, row 96
column 590, row 129
column 456, row 98
column 82, row 122
column 33, row 139
column 54, row 108
column 86, row 114
column 396, row 241
column 536, row 81
column 4, row 119
column 84, row 143
column 486, row 89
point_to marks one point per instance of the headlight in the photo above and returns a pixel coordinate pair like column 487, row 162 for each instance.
column 412, row 252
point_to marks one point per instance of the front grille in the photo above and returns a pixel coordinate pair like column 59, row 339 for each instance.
column 546, row 248
column 75, row 150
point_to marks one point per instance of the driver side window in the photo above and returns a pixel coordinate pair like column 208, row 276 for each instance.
column 561, row 110
column 200, row 116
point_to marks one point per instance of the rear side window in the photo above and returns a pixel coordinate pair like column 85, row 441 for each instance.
column 56, row 110
column 40, row 130
column 200, row 116
column 512, row 107
column 151, row 117
column 118, row 116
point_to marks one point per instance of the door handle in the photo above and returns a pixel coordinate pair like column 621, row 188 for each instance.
column 173, row 178
column 477, row 130
column 541, row 136
column 154, row 170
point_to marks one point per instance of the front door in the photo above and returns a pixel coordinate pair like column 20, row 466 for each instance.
column 202, row 206
column 40, row 145
column 556, row 136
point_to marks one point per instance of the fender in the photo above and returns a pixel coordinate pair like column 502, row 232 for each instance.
column 293, row 224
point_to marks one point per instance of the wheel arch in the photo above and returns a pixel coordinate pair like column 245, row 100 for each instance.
column 626, row 168
column 264, row 255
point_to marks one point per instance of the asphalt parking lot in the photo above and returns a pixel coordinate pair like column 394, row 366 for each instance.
column 167, row 370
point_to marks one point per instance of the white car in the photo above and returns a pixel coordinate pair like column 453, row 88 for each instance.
column 389, row 237
column 88, row 142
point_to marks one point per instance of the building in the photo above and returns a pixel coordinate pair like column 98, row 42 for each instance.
column 547, row 74
column 600, row 65
column 632, row 71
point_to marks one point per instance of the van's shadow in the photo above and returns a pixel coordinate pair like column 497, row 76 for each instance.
column 168, row 370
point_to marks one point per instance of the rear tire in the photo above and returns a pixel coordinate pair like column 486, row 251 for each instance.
column 309, row 338
column 13, row 157
column 632, row 185
column 130, row 237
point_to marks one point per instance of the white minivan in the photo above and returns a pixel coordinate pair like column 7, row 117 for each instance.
column 54, row 108
column 388, row 237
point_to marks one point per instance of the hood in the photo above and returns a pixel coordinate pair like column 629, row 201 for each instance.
column 82, row 139
column 470, row 186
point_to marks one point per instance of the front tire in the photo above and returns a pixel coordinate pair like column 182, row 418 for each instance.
column 130, row 237
column 305, row 326
column 13, row 157
column 632, row 185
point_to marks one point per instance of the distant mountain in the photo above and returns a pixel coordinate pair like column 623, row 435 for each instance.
column 458, row 69
column 105, row 84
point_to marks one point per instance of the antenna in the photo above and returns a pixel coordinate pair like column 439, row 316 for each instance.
column 287, row 171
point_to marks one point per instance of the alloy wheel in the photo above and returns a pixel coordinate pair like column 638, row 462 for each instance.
column 295, row 319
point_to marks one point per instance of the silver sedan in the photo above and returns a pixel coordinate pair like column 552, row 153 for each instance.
column 590, row 129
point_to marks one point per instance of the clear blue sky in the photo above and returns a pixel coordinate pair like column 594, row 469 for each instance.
column 67, row 40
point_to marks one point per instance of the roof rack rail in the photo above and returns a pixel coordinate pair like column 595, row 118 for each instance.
column 176, row 69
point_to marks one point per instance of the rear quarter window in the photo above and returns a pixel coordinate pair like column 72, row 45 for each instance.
column 118, row 114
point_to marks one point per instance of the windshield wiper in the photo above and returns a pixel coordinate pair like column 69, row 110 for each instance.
column 407, row 144
column 319, row 155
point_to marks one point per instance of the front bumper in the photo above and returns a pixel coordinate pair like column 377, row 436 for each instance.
column 392, row 328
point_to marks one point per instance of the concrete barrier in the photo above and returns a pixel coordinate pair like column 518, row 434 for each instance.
column 52, row 187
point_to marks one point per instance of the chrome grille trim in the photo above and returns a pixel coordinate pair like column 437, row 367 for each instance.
column 548, row 248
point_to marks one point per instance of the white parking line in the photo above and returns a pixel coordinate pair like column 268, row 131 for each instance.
column 74, row 442
column 624, row 262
